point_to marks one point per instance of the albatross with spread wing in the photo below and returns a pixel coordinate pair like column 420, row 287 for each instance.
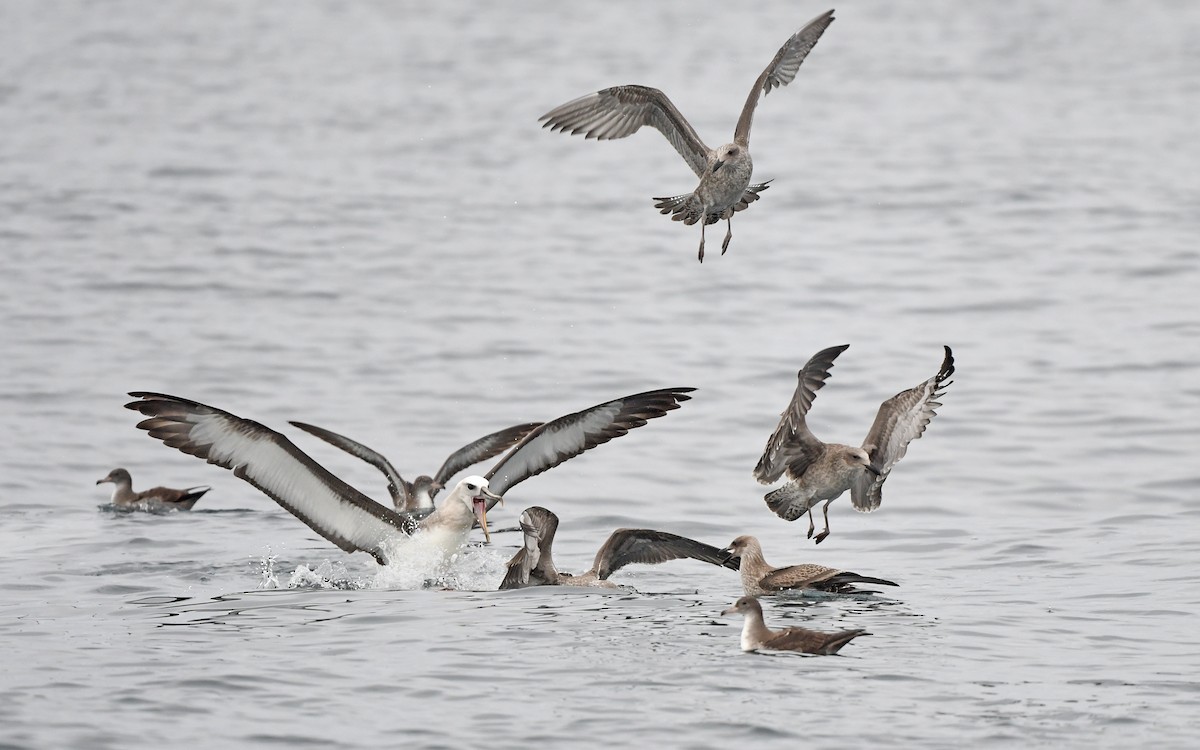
column 347, row 517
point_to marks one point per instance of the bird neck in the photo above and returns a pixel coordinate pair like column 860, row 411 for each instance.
column 123, row 493
column 753, row 567
column 754, row 630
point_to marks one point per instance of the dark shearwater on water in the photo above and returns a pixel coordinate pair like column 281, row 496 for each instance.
column 533, row 565
column 756, row 635
column 347, row 517
column 760, row 578
column 156, row 498
column 724, row 172
column 823, row 471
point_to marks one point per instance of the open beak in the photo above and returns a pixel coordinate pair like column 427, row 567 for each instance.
column 480, row 505
column 718, row 165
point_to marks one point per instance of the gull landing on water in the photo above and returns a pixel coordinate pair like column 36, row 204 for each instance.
column 417, row 495
column 533, row 565
column 724, row 172
column 157, row 498
column 760, row 578
column 348, row 518
column 756, row 635
column 823, row 471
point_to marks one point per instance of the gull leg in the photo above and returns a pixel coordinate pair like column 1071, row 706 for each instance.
column 811, row 526
column 824, row 533
column 728, row 235
column 701, row 242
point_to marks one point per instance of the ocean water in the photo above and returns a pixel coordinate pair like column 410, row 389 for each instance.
column 347, row 214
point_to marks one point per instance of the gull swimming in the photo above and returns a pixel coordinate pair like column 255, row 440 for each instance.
column 823, row 471
column 157, row 498
column 724, row 172
column 756, row 635
column 418, row 495
column 533, row 565
column 760, row 578
column 348, row 518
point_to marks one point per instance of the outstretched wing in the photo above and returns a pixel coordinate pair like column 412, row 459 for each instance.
column 621, row 111
column 782, row 70
column 793, row 447
column 901, row 420
column 482, row 449
column 649, row 547
column 568, row 436
column 270, row 462
column 533, row 565
column 399, row 489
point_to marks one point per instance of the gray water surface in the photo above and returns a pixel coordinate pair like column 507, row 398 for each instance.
column 347, row 214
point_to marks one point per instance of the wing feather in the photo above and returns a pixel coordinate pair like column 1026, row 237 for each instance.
column 649, row 547
column 901, row 420
column 781, row 71
column 568, row 436
column 792, row 446
column 482, row 449
column 271, row 463
column 621, row 111
column 400, row 490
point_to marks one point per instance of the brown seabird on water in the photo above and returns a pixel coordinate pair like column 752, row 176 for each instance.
column 533, row 565
column 760, row 578
column 823, row 471
column 347, row 517
column 157, row 498
column 724, row 172
column 418, row 494
column 756, row 635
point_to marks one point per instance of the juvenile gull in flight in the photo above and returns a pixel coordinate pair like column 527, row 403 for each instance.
column 823, row 471
column 760, row 578
column 756, row 635
column 724, row 172
column 533, row 565
column 418, row 494
column 347, row 517
column 157, row 498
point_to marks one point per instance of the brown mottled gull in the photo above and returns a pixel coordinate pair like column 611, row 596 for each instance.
column 348, row 518
column 760, row 578
column 724, row 172
column 756, row 635
column 533, row 565
column 418, row 495
column 823, row 471
column 156, row 498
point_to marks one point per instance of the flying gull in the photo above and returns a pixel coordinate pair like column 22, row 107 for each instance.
column 157, row 498
column 417, row 495
column 724, row 172
column 823, row 471
column 760, row 578
column 347, row 517
column 756, row 635
column 533, row 565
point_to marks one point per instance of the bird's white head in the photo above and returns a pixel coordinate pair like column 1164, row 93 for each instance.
column 859, row 458
column 474, row 493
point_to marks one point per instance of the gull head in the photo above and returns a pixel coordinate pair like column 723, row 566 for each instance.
column 116, row 476
column 474, row 493
column 730, row 153
column 744, row 606
column 859, row 458
column 741, row 545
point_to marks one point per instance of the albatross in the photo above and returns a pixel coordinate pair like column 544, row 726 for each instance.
column 760, row 578
column 724, row 172
column 823, row 471
column 533, row 565
column 756, row 635
column 354, row 522
column 156, row 498
column 418, row 495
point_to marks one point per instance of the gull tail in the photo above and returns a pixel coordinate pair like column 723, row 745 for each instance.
column 686, row 208
column 788, row 502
